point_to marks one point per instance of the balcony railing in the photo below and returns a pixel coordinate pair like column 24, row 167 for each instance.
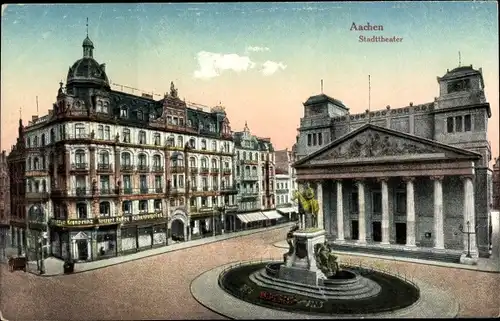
column 249, row 162
column 80, row 166
column 215, row 187
column 142, row 168
column 159, row 189
column 144, row 190
column 205, row 209
column 194, row 188
column 81, row 191
column 248, row 177
column 128, row 190
column 205, row 188
column 157, row 168
column 226, row 171
column 229, row 189
column 103, row 167
column 214, row 171
column 105, row 191
column 282, row 190
column 126, row 167
column 177, row 169
column 193, row 209
column 37, row 195
column 193, row 170
column 204, row 170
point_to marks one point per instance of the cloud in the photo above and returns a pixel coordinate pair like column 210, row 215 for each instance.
column 257, row 48
column 270, row 67
column 211, row 64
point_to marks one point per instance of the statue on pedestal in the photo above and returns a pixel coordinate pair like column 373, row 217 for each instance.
column 308, row 205
column 326, row 261
column 289, row 240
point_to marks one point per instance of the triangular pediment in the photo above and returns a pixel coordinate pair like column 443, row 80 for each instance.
column 373, row 143
column 80, row 236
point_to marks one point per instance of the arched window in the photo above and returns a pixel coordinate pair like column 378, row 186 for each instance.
column 105, row 107
column 100, row 132
column 126, row 159
column 192, row 162
column 254, row 171
column 28, row 142
column 256, row 156
column 142, row 162
column 180, row 141
column 124, row 112
column 52, row 136
column 36, row 213
column 80, row 131
column 99, row 106
column 244, row 155
column 43, row 162
column 192, row 143
column 36, row 164
column 214, row 146
column 80, row 156
column 247, row 170
column 204, row 162
column 250, row 155
column 44, row 186
column 157, row 161
column 107, row 134
column 28, row 186
column 142, row 137
column 43, row 139
column 35, row 141
column 171, row 141
column 126, row 135
column 140, row 115
column 104, row 209
column 214, row 163
column 81, row 210
column 28, row 163
column 203, row 144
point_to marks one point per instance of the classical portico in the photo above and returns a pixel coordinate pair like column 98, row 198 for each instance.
column 383, row 188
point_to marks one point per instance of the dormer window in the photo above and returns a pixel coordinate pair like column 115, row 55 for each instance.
column 140, row 115
column 99, row 106
column 176, row 121
column 157, row 139
column 203, row 144
column 169, row 120
column 124, row 112
column 126, row 136
column 105, row 107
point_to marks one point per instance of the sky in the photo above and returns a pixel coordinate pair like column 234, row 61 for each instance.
column 260, row 60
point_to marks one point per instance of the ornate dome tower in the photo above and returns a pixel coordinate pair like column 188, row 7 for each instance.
column 86, row 72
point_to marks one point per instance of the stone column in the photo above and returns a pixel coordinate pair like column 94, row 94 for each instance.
column 469, row 216
column 438, row 212
column 361, row 208
column 319, row 191
column 340, row 212
column 410, row 211
column 385, row 211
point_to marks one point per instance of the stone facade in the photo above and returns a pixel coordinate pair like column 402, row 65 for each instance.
column 409, row 176
column 286, row 182
column 4, row 202
column 496, row 185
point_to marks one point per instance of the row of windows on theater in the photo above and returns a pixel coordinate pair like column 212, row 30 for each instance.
column 315, row 139
column 104, row 133
column 459, row 124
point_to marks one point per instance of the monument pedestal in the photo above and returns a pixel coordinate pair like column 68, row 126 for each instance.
column 301, row 265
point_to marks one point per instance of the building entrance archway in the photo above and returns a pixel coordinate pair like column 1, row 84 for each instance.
column 178, row 230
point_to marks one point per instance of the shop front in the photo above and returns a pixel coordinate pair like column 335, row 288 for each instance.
column 143, row 232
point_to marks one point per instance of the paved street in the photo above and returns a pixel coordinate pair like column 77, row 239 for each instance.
column 157, row 287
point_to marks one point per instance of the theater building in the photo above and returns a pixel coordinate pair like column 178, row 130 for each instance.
column 109, row 173
column 404, row 179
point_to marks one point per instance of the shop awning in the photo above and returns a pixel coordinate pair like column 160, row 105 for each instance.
column 286, row 210
column 272, row 215
column 251, row 217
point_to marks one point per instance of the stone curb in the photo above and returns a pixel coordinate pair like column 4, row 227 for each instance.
column 282, row 245
column 169, row 249
column 206, row 291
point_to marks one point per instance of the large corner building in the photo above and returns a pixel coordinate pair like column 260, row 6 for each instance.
column 107, row 173
column 412, row 178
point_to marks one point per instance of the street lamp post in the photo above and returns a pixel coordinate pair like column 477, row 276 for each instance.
column 468, row 232
column 42, row 264
column 222, row 211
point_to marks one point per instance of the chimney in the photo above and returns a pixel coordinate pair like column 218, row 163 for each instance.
column 34, row 117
